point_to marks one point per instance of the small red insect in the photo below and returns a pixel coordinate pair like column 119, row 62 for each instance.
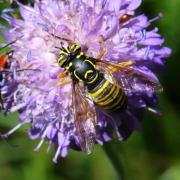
column 124, row 18
column 3, row 60
column 5, row 56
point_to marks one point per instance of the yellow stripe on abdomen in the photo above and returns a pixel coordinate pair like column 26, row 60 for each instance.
column 109, row 97
column 95, row 94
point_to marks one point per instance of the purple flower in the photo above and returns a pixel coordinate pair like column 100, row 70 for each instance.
column 35, row 93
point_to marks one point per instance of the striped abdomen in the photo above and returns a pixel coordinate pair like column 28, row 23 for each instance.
column 109, row 96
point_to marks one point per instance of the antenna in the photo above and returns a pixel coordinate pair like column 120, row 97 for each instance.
column 64, row 38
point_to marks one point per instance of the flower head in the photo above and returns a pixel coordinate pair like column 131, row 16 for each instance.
column 32, row 89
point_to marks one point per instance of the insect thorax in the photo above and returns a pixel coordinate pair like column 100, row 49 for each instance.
column 82, row 68
column 79, row 65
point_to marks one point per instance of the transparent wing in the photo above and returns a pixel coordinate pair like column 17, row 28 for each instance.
column 142, row 79
column 132, row 78
column 84, row 118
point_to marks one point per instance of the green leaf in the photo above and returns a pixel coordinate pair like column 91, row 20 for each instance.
column 172, row 173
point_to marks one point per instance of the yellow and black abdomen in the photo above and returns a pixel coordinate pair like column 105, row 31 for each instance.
column 108, row 95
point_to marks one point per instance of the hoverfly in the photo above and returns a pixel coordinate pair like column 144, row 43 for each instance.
column 94, row 85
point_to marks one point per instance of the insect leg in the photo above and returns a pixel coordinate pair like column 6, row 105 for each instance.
column 63, row 79
column 64, row 38
column 64, row 82
column 103, row 51
column 62, row 75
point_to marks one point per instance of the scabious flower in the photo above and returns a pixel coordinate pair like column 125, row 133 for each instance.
column 34, row 93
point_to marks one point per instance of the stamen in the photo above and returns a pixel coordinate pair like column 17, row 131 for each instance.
column 99, row 141
column 39, row 145
column 57, row 154
column 143, row 34
column 17, row 107
column 11, row 131
column 49, row 146
column 23, row 6
column 146, row 53
column 116, row 130
column 8, row 10
column 156, row 18
column 29, row 55
column 118, row 134
column 3, row 80
column 154, row 111
column 106, row 137
column 115, row 126
column 43, row 27
column 14, row 74
column 42, row 140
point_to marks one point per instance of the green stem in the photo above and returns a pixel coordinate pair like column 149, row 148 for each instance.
column 111, row 152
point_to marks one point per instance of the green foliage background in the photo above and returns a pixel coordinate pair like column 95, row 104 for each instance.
column 153, row 154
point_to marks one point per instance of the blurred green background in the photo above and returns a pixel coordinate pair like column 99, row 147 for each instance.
column 153, row 154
